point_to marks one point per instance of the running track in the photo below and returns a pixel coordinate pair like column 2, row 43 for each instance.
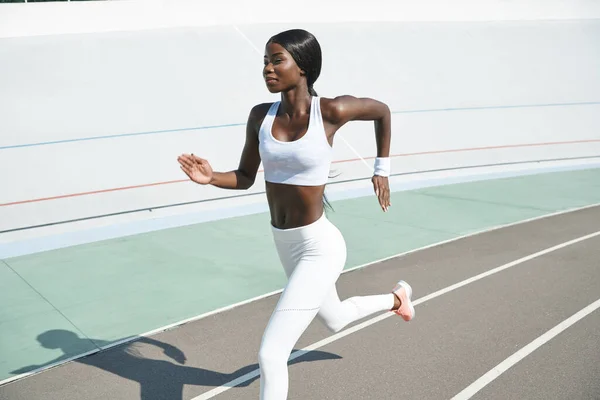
column 508, row 313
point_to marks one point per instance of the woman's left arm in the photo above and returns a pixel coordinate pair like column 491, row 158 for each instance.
column 340, row 110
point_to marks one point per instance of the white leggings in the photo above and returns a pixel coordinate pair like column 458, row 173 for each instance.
column 313, row 257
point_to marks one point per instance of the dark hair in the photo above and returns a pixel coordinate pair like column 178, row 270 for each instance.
column 304, row 48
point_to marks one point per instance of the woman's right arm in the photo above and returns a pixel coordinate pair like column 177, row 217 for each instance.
column 200, row 171
column 243, row 177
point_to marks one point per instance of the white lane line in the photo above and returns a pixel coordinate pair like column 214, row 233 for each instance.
column 210, row 394
column 495, row 372
column 275, row 292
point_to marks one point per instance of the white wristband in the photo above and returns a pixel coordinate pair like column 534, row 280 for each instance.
column 382, row 166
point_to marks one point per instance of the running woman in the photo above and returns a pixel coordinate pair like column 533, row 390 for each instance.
column 294, row 137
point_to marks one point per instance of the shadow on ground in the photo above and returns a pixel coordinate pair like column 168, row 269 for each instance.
column 158, row 379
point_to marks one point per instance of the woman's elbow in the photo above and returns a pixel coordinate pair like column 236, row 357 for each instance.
column 245, row 181
column 384, row 110
column 247, row 184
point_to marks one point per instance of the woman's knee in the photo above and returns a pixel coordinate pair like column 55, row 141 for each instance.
column 335, row 327
column 271, row 357
column 332, row 322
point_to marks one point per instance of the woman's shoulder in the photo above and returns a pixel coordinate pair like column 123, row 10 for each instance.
column 333, row 109
column 260, row 110
column 258, row 114
column 338, row 101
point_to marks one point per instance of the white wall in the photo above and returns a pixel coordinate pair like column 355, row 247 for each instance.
column 121, row 15
column 508, row 84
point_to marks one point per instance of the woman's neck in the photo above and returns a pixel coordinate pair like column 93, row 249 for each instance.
column 296, row 101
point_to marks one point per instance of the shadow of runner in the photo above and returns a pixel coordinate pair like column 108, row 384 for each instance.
column 158, row 379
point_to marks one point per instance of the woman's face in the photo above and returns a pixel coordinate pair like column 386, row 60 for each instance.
column 281, row 72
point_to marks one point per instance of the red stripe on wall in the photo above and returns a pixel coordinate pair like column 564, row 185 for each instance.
column 335, row 162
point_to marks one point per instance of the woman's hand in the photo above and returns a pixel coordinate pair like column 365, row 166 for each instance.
column 196, row 168
column 382, row 191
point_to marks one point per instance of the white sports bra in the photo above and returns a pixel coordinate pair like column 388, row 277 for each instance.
column 304, row 161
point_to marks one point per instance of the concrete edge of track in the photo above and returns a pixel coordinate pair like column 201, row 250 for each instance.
column 52, row 240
